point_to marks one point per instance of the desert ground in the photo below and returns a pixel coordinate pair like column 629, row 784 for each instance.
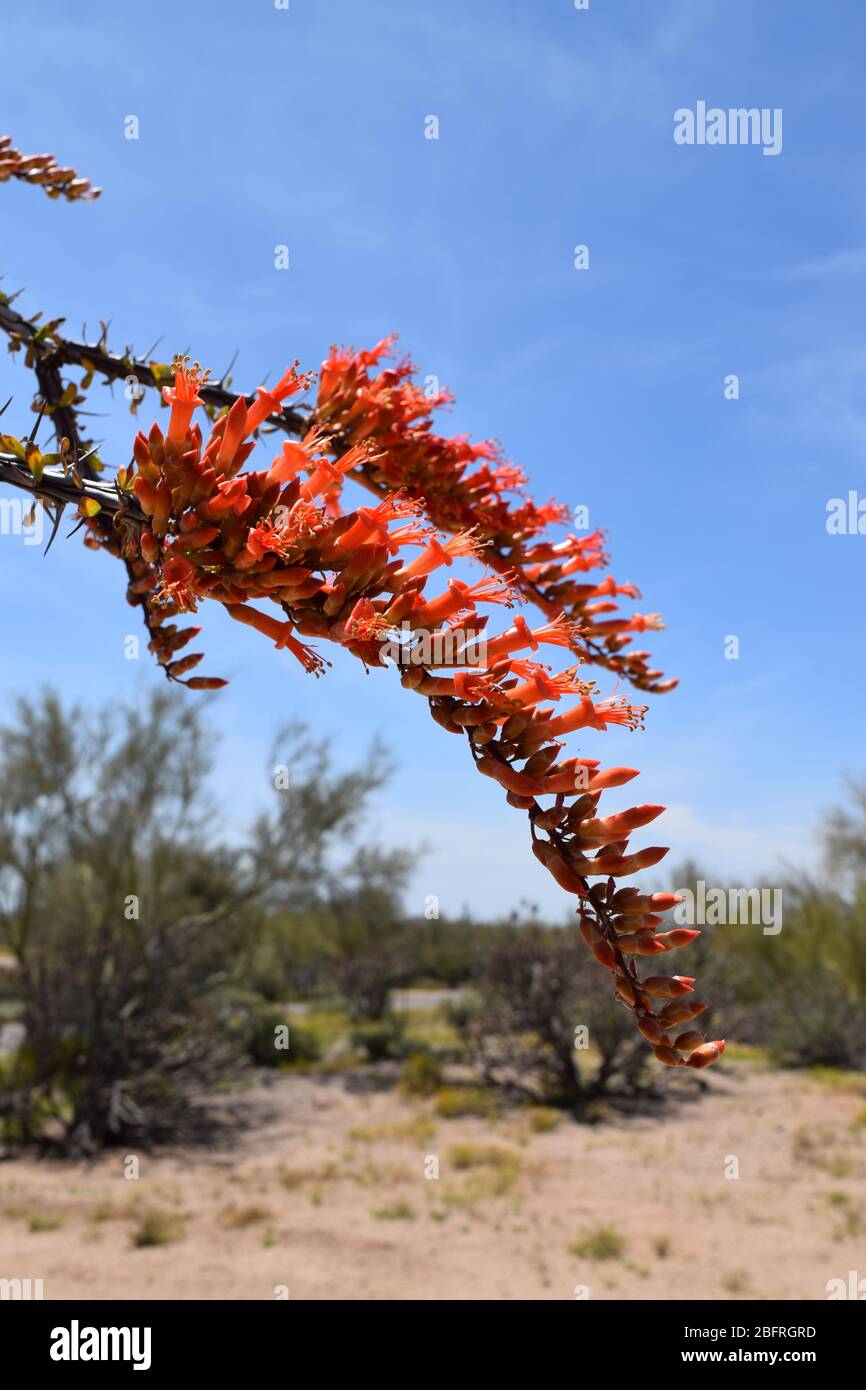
column 330, row 1192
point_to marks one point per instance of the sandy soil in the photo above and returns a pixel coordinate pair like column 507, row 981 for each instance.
column 323, row 1198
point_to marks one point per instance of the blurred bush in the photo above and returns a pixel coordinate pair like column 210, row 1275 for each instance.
column 455, row 1102
column 271, row 1039
column 383, row 1041
column 421, row 1075
column 135, row 933
column 538, row 1001
column 800, row 992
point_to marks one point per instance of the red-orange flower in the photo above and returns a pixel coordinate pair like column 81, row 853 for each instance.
column 183, row 398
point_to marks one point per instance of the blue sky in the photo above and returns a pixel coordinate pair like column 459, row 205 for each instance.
column 305, row 127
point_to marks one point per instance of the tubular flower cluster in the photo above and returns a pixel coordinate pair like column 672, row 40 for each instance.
column 44, row 170
column 278, row 537
column 464, row 488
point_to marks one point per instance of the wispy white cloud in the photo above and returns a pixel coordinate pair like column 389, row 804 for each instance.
column 489, row 868
column 746, row 851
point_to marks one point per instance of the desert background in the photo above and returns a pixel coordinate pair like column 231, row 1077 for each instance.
column 259, row 1077
column 325, row 1198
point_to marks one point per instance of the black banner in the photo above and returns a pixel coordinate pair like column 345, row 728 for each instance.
column 80, row 1339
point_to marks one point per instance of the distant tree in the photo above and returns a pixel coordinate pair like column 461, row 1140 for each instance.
column 800, row 990
column 845, row 833
column 542, row 1030
column 130, row 918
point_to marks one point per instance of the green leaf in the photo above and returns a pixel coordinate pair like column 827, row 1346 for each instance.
column 35, row 461
column 10, row 445
column 47, row 329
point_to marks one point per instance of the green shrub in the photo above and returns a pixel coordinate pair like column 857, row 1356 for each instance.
column 452, row 1102
column 482, row 1156
column 543, row 1118
column 237, row 1218
column 827, row 1027
column 489, row 1171
column 601, row 1243
column 157, row 1226
column 382, row 1042
column 267, row 1031
column 463, row 1012
column 36, row 1221
column 421, row 1075
column 394, row 1211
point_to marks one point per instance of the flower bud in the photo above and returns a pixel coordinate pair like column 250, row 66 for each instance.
column 604, row 954
column 625, row 990
column 707, row 1054
column 640, row 943
column 681, row 1011
column 148, row 546
column 652, row 1030
column 668, row 986
column 680, row 936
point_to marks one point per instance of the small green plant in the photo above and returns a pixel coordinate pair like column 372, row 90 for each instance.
column 388, row 1175
column 852, row 1225
column 463, row 1156
column 104, row 1210
column 382, row 1041
column 268, row 1029
column 236, row 1218
column 453, row 1102
column 293, row 1178
column 418, row 1129
column 543, row 1118
column 394, row 1211
column 490, row 1171
column 421, row 1075
column 157, row 1226
column 37, row 1221
column 601, row 1243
